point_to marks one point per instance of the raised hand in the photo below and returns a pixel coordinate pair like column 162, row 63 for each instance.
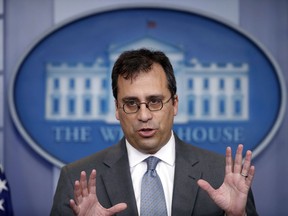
column 232, row 195
column 85, row 201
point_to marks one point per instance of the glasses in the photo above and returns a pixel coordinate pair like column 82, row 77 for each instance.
column 153, row 105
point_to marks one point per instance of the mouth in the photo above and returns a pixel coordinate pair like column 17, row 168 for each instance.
column 146, row 132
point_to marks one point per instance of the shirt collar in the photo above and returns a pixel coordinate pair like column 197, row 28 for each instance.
column 165, row 154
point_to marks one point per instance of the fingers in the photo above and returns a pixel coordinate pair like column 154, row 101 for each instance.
column 250, row 176
column 229, row 161
column 83, row 183
column 85, row 199
column 246, row 164
column 247, row 169
column 74, row 207
column 77, row 192
column 243, row 168
column 80, row 187
column 238, row 159
column 92, row 182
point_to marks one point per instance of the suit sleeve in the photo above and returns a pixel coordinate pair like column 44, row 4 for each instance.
column 64, row 192
column 250, row 206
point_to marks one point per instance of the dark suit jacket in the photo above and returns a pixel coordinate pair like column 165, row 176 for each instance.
column 114, row 184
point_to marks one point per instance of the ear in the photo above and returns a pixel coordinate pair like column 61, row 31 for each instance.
column 175, row 104
column 116, row 110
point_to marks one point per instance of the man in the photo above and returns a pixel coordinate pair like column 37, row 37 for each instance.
column 146, row 102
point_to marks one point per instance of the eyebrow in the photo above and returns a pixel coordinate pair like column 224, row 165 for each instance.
column 150, row 97
column 125, row 99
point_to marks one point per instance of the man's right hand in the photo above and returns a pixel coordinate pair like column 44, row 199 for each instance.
column 85, row 201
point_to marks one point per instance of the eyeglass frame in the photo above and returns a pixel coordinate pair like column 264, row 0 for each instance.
column 146, row 105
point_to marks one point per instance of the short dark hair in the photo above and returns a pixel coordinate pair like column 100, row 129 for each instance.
column 130, row 63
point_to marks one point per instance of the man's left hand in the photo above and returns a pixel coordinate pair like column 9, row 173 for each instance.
column 232, row 195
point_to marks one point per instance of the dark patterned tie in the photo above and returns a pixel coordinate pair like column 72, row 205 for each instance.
column 152, row 194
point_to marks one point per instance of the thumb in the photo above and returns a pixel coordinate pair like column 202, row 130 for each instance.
column 117, row 208
column 206, row 186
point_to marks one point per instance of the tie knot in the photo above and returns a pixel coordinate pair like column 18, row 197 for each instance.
column 152, row 162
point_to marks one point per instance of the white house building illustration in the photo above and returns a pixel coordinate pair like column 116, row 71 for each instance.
column 207, row 91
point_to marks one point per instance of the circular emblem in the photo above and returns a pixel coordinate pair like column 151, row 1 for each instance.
column 230, row 89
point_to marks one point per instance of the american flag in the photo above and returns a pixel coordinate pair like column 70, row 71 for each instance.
column 5, row 198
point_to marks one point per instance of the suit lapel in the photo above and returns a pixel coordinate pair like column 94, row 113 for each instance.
column 119, row 187
column 117, row 179
column 185, row 180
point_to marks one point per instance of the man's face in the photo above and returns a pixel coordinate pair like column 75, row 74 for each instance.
column 145, row 130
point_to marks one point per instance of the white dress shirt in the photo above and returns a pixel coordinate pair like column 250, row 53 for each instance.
column 165, row 169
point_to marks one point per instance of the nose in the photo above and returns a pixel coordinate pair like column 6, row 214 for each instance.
column 144, row 114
